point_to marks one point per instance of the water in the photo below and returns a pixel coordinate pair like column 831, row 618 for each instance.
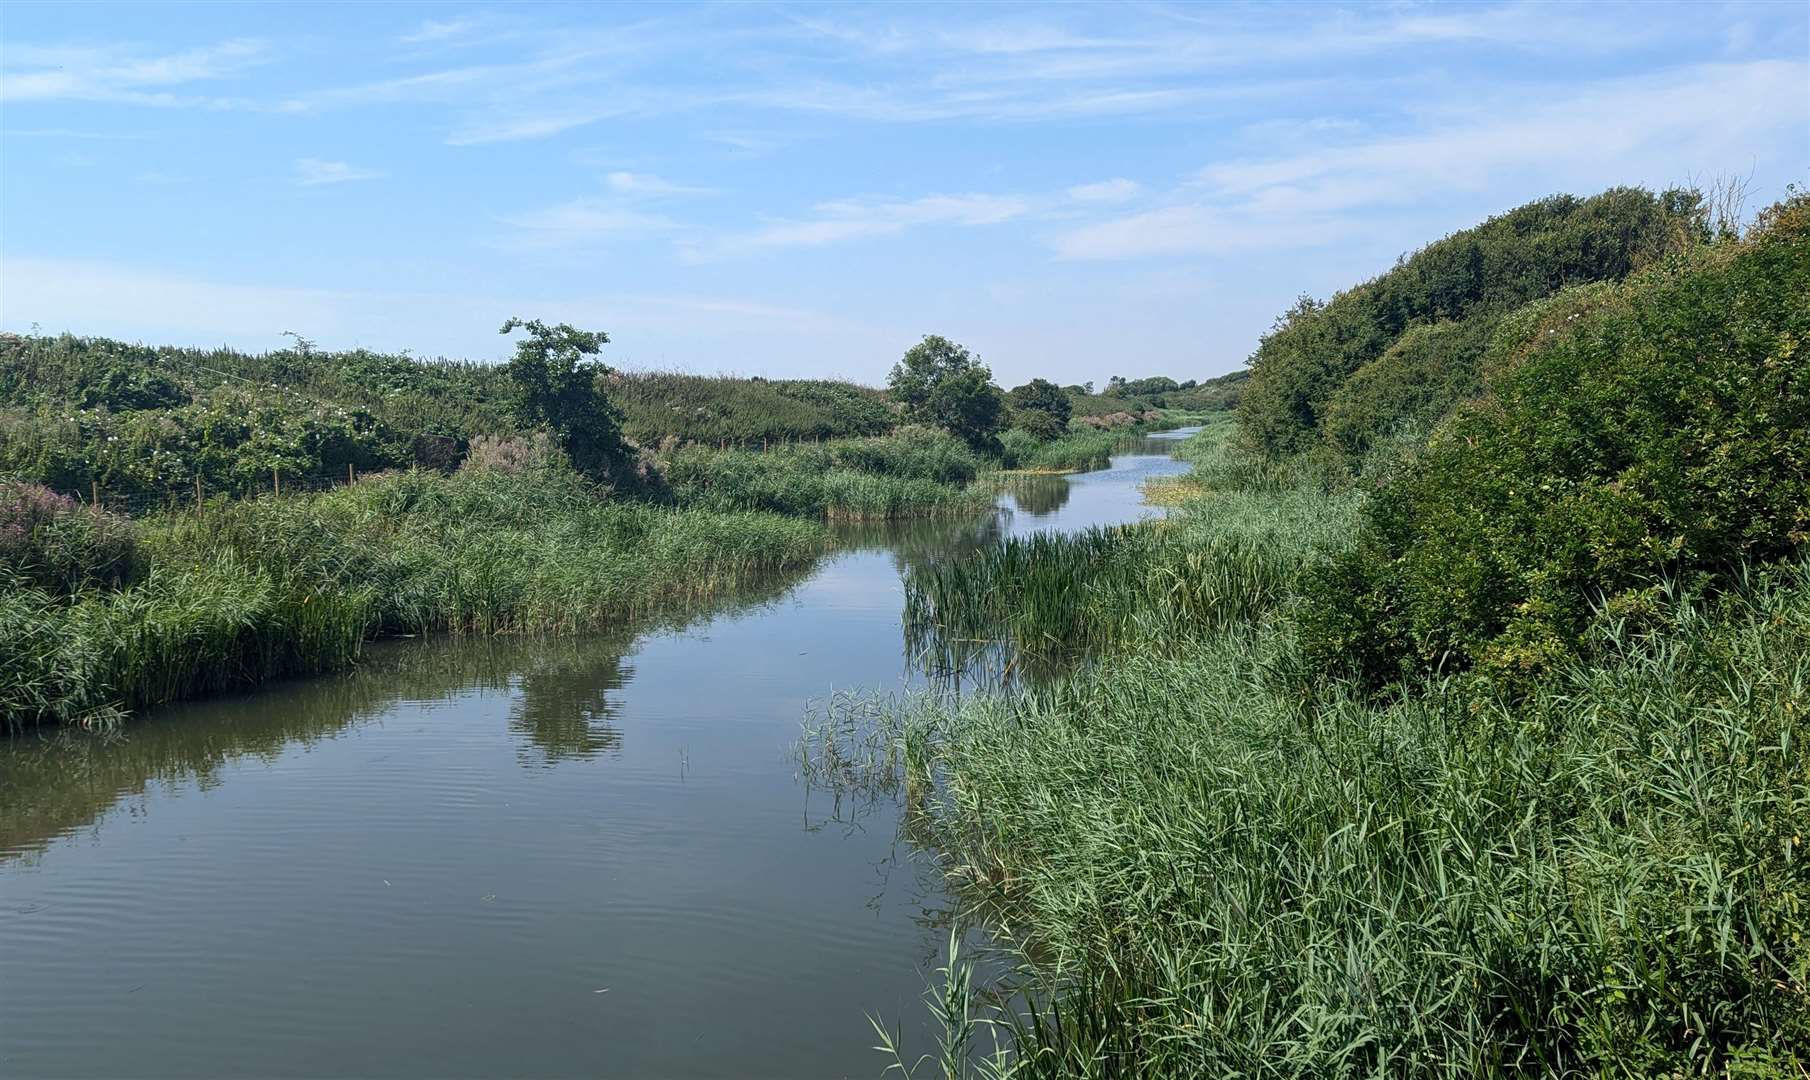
column 559, row 857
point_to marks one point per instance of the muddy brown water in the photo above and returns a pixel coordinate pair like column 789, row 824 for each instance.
column 550, row 857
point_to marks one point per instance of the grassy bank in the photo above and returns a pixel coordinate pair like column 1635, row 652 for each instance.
column 1210, row 859
column 1078, row 451
column 1212, row 868
column 250, row 590
column 1482, row 753
column 914, row 472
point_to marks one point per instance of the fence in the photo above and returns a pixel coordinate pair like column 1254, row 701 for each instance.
column 195, row 495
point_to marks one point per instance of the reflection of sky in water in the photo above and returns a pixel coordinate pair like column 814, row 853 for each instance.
column 430, row 865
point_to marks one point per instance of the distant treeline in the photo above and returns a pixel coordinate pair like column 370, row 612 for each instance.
column 79, row 413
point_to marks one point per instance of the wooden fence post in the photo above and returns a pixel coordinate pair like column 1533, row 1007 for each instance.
column 350, row 475
column 94, row 493
column 276, row 481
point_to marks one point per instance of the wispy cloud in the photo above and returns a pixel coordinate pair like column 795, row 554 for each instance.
column 439, row 31
column 310, row 172
column 1106, row 191
column 648, row 185
column 1048, row 65
column 1667, row 126
column 120, row 75
column 853, row 219
column 582, row 221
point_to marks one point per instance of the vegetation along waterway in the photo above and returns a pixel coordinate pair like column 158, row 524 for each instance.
column 544, row 856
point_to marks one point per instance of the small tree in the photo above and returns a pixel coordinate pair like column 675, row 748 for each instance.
column 941, row 383
column 555, row 387
column 1041, row 408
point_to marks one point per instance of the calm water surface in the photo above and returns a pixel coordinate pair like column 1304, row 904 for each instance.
column 565, row 857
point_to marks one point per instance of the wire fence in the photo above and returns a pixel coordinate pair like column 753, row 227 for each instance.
column 197, row 495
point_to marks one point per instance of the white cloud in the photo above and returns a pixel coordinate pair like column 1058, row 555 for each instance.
column 115, row 74
column 1654, row 130
column 582, row 221
column 310, row 172
column 1106, row 191
column 851, row 219
column 648, row 185
column 436, row 31
column 518, row 128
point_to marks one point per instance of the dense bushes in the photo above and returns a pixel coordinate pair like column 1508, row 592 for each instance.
column 55, row 543
column 1531, row 252
column 745, row 412
column 1040, row 408
column 139, row 421
column 1657, row 429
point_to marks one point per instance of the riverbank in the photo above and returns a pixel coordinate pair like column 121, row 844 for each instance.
column 1472, row 754
column 608, row 812
column 185, row 604
column 1190, row 845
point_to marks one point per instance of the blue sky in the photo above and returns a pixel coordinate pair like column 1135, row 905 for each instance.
column 1073, row 191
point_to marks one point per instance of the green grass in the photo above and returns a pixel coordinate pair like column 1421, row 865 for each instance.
column 913, row 473
column 256, row 589
column 1047, row 597
column 1204, row 857
column 1079, row 451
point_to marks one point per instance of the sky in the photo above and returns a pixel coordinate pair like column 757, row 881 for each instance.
column 1072, row 191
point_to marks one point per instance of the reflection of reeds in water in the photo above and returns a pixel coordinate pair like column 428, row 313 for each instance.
column 1038, row 496
column 562, row 709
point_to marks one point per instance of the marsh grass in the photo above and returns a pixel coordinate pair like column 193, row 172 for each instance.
column 1048, row 597
column 1079, row 451
column 264, row 588
column 1210, row 859
column 1216, row 864
column 912, row 473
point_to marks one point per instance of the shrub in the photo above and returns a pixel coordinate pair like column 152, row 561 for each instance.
column 510, row 454
column 1664, row 433
column 1527, row 253
column 58, row 544
column 1040, row 408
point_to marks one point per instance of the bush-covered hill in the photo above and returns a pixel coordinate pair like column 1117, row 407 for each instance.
column 1631, row 433
column 1402, row 347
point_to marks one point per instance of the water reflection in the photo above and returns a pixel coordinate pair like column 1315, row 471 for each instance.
column 386, row 854
column 1038, row 495
column 564, row 711
column 919, row 543
column 53, row 783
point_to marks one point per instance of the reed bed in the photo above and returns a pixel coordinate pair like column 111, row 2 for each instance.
column 256, row 589
column 1205, row 857
column 1079, row 451
column 914, row 473
column 1047, row 597
column 1211, row 864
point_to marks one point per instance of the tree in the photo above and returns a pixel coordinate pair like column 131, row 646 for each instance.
column 554, row 380
column 941, row 383
column 1041, row 408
